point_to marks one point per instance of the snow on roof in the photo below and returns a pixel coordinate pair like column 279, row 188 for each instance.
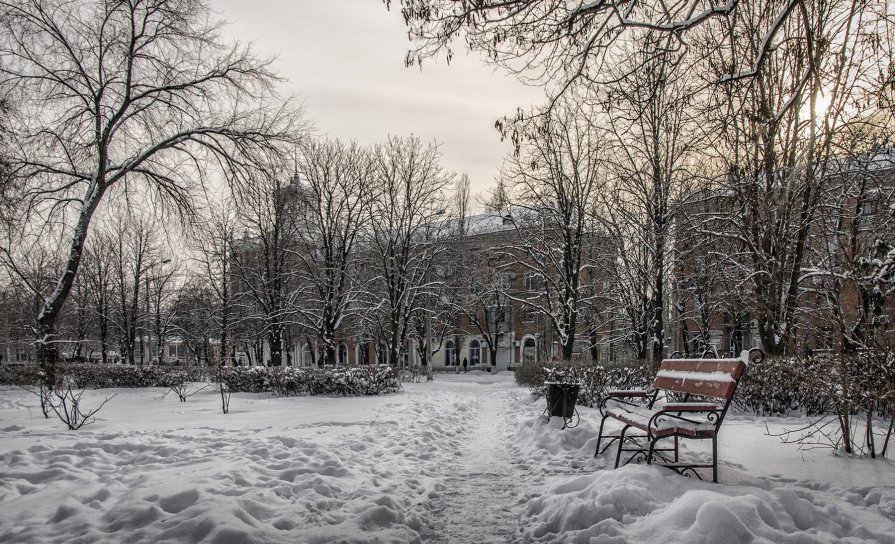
column 484, row 223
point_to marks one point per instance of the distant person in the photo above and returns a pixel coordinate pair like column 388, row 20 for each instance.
column 465, row 364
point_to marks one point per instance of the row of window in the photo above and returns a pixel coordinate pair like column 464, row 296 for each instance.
column 451, row 354
column 530, row 280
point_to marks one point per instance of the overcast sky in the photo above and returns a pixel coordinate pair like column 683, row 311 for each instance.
column 344, row 60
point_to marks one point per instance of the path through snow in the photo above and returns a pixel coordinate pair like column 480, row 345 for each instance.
column 482, row 484
column 468, row 458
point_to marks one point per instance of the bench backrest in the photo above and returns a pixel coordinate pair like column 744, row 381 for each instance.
column 716, row 378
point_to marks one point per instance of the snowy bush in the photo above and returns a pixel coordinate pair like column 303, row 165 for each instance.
column 777, row 387
column 246, row 380
column 105, row 376
column 595, row 379
column 19, row 374
column 363, row 380
column 91, row 376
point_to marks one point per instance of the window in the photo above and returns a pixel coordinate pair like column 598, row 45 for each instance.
column 528, row 314
column 404, row 357
column 529, row 350
column 450, row 353
column 530, row 281
column 503, row 282
column 343, row 354
column 363, row 353
column 475, row 352
column 176, row 352
column 497, row 315
column 306, row 356
column 870, row 206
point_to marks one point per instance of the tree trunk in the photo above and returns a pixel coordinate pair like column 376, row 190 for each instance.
column 275, row 339
column 47, row 352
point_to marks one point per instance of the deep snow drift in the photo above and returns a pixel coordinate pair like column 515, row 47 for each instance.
column 466, row 458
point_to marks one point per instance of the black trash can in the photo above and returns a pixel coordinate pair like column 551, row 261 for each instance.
column 561, row 398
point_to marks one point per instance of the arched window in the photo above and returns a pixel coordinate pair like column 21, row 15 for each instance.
column 529, row 349
column 450, row 353
column 404, row 357
column 343, row 354
column 306, row 358
column 362, row 357
column 475, row 352
column 382, row 355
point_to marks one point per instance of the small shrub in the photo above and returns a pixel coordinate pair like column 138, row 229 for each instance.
column 775, row 387
column 19, row 374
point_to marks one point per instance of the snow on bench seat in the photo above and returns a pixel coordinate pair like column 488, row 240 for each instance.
column 666, row 425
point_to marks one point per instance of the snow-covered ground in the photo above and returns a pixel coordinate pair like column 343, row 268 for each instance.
column 467, row 458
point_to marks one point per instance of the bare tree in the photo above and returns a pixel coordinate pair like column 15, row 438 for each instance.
column 121, row 93
column 560, row 43
column 497, row 200
column 406, row 210
column 651, row 135
column 485, row 299
column 212, row 238
column 264, row 259
column 136, row 251
column 776, row 142
column 97, row 271
column 333, row 179
column 192, row 314
column 556, row 181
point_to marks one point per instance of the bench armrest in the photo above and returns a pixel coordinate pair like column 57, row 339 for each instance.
column 691, row 407
column 627, row 397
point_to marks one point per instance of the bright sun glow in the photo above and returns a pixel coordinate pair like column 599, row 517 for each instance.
column 821, row 106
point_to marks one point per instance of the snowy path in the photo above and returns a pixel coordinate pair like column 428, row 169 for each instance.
column 482, row 485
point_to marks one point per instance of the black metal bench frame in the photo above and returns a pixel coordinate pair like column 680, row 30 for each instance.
column 712, row 381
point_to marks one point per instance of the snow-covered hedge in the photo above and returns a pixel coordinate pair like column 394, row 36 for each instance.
column 364, row 380
column 94, row 376
column 777, row 386
column 815, row 385
column 595, row 379
column 19, row 374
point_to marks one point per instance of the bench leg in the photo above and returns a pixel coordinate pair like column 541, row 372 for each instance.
column 676, row 451
column 715, row 458
column 652, row 449
column 621, row 443
column 600, row 436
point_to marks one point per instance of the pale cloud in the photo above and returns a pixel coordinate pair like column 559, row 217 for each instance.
column 344, row 59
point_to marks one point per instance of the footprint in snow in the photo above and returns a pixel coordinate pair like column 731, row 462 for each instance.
column 179, row 501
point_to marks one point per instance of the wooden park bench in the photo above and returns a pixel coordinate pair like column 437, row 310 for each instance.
column 688, row 399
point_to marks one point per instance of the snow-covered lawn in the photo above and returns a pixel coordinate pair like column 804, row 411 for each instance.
column 464, row 459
